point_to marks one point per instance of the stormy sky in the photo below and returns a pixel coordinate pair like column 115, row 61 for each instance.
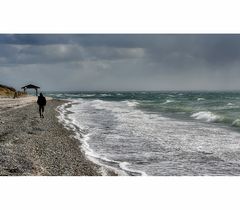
column 121, row 62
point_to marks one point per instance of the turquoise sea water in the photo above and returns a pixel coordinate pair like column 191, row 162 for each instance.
column 157, row 133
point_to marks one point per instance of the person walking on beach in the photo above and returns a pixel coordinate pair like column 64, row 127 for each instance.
column 41, row 103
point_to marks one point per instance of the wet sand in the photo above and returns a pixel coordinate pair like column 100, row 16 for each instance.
column 33, row 146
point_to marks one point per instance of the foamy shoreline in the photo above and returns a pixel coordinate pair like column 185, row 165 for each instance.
column 71, row 123
column 33, row 146
column 78, row 134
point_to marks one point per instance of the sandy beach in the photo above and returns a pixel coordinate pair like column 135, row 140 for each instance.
column 8, row 104
column 33, row 146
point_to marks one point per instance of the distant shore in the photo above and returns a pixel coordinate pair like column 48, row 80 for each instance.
column 39, row 147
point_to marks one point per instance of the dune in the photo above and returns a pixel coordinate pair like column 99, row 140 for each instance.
column 6, row 91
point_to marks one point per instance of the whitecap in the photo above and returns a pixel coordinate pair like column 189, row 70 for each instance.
column 236, row 123
column 59, row 95
column 206, row 116
column 133, row 135
column 201, row 99
column 71, row 95
column 168, row 101
column 88, row 95
column 132, row 103
column 105, row 94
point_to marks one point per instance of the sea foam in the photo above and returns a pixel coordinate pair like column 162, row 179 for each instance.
column 206, row 116
column 70, row 122
column 168, row 101
column 125, row 165
column 149, row 136
column 131, row 103
column 201, row 99
column 236, row 123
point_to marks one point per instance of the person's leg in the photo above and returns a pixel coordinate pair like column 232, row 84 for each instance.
column 40, row 111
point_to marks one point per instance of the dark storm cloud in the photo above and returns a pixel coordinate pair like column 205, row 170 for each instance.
column 211, row 48
column 122, row 61
column 83, row 39
column 62, row 53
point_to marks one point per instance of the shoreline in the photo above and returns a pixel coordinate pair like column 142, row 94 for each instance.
column 30, row 146
column 79, row 135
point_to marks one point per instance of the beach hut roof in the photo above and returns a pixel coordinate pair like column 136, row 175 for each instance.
column 30, row 86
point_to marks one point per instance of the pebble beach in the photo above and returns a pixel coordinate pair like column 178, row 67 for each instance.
column 31, row 146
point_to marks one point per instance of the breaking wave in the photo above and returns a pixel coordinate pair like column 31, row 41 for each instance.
column 207, row 116
column 236, row 123
column 168, row 101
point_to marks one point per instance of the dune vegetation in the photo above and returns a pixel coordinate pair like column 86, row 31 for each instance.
column 7, row 91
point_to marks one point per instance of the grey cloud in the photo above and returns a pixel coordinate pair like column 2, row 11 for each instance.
column 121, row 62
column 58, row 53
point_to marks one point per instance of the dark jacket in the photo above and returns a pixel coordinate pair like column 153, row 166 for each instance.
column 41, row 101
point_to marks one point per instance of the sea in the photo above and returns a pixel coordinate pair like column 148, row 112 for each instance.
column 169, row 133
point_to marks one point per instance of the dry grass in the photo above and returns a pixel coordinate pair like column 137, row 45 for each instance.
column 9, row 91
column 6, row 91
